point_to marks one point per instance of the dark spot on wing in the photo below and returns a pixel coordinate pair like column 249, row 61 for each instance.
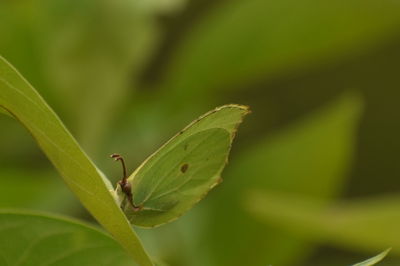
column 184, row 168
column 186, row 146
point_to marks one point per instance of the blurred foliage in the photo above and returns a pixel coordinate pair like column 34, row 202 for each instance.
column 126, row 75
column 298, row 160
column 366, row 224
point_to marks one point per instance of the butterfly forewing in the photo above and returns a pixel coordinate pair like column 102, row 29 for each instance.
column 200, row 157
column 182, row 171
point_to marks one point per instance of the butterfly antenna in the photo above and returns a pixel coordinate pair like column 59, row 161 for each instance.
column 118, row 157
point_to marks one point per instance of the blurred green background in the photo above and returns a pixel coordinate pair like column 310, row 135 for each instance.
column 314, row 172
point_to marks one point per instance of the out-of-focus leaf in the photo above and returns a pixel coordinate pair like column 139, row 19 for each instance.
column 242, row 41
column 373, row 260
column 36, row 239
column 76, row 50
column 97, row 51
column 40, row 190
column 18, row 21
column 360, row 225
column 310, row 157
column 161, row 6
column 19, row 98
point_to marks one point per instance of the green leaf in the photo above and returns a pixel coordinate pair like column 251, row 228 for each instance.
column 245, row 41
column 310, row 157
column 20, row 99
column 30, row 239
column 182, row 171
column 373, row 260
column 362, row 225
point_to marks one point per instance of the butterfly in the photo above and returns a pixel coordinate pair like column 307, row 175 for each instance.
column 182, row 171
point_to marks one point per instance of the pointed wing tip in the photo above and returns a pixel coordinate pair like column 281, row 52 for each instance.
column 385, row 252
column 245, row 108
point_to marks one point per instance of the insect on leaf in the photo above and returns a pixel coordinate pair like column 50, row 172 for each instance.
column 182, row 171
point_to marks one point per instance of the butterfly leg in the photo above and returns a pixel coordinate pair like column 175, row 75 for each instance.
column 124, row 184
column 126, row 189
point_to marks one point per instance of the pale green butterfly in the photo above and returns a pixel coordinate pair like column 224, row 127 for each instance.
column 182, row 171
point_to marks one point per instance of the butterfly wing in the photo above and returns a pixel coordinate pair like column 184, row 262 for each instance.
column 182, row 171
